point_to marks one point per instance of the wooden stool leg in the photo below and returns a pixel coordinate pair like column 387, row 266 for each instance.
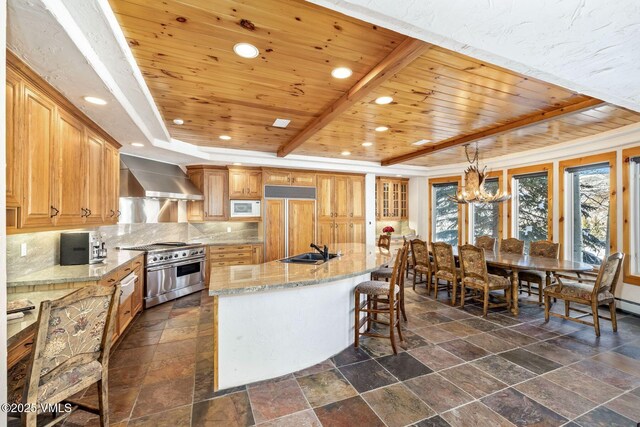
column 356, row 340
column 103, row 399
column 414, row 280
column 368, row 314
column 596, row 318
column 404, row 313
column 612, row 313
column 399, row 328
column 391, row 328
column 567, row 308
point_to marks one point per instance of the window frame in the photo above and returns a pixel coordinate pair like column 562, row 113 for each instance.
column 469, row 223
column 456, row 179
column 530, row 170
column 629, row 221
column 610, row 158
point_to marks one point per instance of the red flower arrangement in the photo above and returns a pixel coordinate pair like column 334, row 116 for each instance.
column 388, row 229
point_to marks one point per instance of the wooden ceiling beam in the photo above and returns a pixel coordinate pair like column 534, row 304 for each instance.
column 404, row 54
column 530, row 120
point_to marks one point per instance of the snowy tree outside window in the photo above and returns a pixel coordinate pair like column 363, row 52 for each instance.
column 485, row 216
column 445, row 214
column 530, row 201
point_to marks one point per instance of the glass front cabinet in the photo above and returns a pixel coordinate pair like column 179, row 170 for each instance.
column 392, row 198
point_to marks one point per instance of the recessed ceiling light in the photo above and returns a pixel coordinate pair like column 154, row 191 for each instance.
column 382, row 129
column 281, row 123
column 178, row 121
column 246, row 50
column 341, row 72
column 225, row 137
column 137, row 144
column 367, row 144
column 384, row 100
column 237, row 164
column 422, row 142
column 94, row 100
column 346, row 153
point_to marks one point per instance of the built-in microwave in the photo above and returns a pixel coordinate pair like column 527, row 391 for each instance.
column 245, row 208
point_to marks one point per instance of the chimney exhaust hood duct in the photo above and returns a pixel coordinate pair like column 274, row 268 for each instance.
column 150, row 179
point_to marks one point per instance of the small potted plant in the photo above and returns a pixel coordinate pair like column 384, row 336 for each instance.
column 388, row 230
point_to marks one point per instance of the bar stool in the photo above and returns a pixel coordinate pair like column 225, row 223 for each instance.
column 386, row 293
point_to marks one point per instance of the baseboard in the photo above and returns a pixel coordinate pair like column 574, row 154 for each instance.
column 627, row 306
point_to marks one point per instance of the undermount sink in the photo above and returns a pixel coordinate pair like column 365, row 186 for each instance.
column 308, row 258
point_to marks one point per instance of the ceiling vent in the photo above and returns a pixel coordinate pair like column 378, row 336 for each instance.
column 422, row 142
column 281, row 123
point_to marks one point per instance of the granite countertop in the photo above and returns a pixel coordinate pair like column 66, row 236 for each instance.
column 14, row 327
column 356, row 259
column 75, row 273
column 214, row 241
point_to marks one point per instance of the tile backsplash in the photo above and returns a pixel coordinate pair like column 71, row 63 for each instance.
column 43, row 247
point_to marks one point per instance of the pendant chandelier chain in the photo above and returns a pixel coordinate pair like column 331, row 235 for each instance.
column 475, row 156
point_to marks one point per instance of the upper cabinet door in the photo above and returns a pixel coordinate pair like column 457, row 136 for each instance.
column 71, row 175
column 39, row 160
column 325, row 196
column 357, row 197
column 276, row 177
column 237, row 184
column 216, row 196
column 342, row 202
column 96, row 174
column 303, row 179
column 112, row 183
column 13, row 107
column 254, row 184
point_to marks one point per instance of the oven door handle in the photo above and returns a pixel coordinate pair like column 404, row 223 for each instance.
column 187, row 262
column 160, row 267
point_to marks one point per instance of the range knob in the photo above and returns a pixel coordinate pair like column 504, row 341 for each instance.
column 155, row 258
column 184, row 254
column 175, row 255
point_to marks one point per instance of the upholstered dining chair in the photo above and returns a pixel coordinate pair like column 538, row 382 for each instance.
column 587, row 291
column 473, row 267
column 384, row 242
column 410, row 264
column 421, row 262
column 70, row 352
column 445, row 269
column 540, row 249
column 381, row 298
column 508, row 246
column 487, row 243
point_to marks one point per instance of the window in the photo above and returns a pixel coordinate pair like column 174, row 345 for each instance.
column 587, row 212
column 485, row 218
column 445, row 213
column 530, row 207
column 634, row 206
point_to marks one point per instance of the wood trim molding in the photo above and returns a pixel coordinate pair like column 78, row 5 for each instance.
column 529, row 120
column 442, row 180
column 544, row 167
column 405, row 53
column 610, row 158
column 22, row 69
column 626, row 213
column 215, row 343
column 467, row 218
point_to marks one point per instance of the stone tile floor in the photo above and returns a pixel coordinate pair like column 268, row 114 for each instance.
column 455, row 368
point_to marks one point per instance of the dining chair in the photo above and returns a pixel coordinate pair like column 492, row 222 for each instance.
column 487, row 243
column 70, row 352
column 377, row 293
column 410, row 264
column 473, row 266
column 587, row 291
column 384, row 242
column 540, row 249
column 422, row 263
column 445, row 269
column 508, row 246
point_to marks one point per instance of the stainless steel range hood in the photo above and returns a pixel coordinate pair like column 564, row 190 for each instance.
column 150, row 179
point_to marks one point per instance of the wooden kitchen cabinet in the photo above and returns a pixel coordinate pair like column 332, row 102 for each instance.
column 303, row 179
column 58, row 174
column 226, row 255
column 392, row 198
column 245, row 184
column 340, row 208
column 111, row 184
column 213, row 181
column 288, row 177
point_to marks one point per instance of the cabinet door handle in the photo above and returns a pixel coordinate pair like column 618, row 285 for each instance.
column 111, row 280
column 89, row 212
column 351, row 225
column 55, row 213
column 119, row 213
column 112, row 213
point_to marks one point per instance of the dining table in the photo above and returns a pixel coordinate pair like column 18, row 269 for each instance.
column 516, row 263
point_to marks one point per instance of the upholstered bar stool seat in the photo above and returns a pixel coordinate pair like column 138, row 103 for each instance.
column 376, row 287
column 382, row 273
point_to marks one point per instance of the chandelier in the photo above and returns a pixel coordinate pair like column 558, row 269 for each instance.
column 474, row 191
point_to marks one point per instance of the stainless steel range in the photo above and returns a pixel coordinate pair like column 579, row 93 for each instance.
column 172, row 269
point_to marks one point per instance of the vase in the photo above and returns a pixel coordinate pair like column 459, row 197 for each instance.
column 388, row 233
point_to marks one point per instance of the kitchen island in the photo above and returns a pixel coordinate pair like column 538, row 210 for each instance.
column 276, row 318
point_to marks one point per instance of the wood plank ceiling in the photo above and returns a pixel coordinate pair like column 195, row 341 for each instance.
column 185, row 52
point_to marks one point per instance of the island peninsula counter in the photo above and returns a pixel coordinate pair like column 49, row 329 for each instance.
column 276, row 318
